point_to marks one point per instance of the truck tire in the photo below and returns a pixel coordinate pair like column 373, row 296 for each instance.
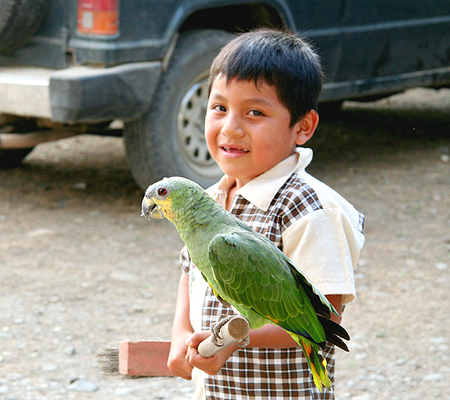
column 169, row 139
column 19, row 20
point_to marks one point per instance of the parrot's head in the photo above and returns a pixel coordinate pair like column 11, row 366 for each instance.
column 168, row 198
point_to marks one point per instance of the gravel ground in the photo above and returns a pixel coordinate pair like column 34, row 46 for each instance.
column 81, row 271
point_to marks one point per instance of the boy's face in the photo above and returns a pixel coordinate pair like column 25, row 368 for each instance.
column 248, row 129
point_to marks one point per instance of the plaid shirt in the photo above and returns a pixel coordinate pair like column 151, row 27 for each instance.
column 262, row 373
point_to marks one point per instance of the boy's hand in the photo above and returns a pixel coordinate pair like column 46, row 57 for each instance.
column 178, row 363
column 210, row 365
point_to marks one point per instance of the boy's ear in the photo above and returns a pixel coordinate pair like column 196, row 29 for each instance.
column 306, row 127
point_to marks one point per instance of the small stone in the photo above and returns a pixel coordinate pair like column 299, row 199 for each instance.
column 362, row 397
column 80, row 186
column 360, row 356
column 433, row 377
column 441, row 266
column 436, row 197
column 15, row 376
column 123, row 276
column 137, row 308
column 49, row 368
column 123, row 391
column 437, row 340
column 40, row 232
column 70, row 351
column 377, row 377
column 81, row 385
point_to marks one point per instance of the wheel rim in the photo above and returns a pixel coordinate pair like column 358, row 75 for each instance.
column 191, row 131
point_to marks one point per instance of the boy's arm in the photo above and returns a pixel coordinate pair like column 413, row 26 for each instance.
column 336, row 301
column 269, row 336
column 181, row 330
column 274, row 337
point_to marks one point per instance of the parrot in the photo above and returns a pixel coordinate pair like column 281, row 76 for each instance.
column 247, row 271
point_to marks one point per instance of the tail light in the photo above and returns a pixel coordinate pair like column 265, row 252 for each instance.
column 98, row 17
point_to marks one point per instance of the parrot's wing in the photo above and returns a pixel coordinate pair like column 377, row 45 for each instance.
column 334, row 331
column 252, row 273
column 320, row 303
column 317, row 298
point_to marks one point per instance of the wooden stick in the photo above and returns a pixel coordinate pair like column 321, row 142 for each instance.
column 232, row 332
column 149, row 358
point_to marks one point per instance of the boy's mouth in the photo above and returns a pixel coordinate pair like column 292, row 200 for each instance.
column 234, row 149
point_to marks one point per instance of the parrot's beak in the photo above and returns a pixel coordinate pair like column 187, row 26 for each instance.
column 150, row 209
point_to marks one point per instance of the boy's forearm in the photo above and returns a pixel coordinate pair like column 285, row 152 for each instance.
column 336, row 301
column 181, row 320
column 271, row 336
column 181, row 330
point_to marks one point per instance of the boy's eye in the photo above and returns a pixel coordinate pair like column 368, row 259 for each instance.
column 256, row 113
column 220, row 108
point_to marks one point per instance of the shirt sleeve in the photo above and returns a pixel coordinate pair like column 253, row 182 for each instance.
column 325, row 247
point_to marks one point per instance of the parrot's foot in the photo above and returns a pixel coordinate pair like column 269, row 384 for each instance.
column 244, row 342
column 216, row 326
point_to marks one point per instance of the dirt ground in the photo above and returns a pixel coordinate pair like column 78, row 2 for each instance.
column 81, row 270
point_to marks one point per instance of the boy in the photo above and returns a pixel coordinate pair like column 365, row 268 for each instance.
column 264, row 89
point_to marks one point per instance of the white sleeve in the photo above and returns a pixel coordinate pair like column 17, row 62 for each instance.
column 325, row 247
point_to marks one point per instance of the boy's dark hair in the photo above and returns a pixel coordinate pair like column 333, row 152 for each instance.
column 279, row 59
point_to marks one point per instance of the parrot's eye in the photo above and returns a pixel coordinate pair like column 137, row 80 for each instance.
column 162, row 191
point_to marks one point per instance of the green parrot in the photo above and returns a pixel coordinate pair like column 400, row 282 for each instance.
column 246, row 270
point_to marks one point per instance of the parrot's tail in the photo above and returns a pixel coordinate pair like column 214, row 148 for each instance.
column 316, row 362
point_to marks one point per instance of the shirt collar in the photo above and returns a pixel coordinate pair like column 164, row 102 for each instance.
column 261, row 190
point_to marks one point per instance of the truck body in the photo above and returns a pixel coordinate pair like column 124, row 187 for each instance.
column 80, row 65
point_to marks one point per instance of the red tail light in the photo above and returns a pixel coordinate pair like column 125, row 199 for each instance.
column 98, row 17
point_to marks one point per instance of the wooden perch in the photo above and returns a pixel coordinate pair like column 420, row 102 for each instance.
column 232, row 332
column 149, row 358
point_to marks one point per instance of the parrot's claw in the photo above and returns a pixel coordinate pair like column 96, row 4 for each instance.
column 215, row 329
column 244, row 342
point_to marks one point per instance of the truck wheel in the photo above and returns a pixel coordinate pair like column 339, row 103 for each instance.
column 169, row 139
column 19, row 19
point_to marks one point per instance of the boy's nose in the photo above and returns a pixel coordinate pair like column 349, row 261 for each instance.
column 232, row 127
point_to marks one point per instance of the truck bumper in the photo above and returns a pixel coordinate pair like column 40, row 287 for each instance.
column 79, row 94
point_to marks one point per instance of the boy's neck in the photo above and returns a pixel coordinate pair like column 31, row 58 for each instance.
column 230, row 196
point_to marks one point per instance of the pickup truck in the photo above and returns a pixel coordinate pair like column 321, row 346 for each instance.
column 138, row 68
